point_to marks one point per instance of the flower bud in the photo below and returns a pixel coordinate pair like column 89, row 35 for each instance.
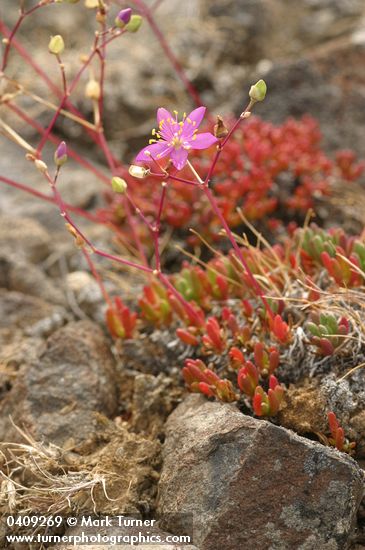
column 92, row 89
column 41, row 166
column 119, row 185
column 138, row 171
column 123, row 17
column 134, row 23
column 258, row 91
column 60, row 156
column 56, row 45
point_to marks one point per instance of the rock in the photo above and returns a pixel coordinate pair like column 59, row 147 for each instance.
column 22, row 276
column 246, row 480
column 24, row 237
column 60, row 395
column 30, row 314
column 327, row 84
column 85, row 290
column 15, row 353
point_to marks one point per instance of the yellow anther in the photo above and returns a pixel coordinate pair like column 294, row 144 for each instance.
column 152, row 141
column 189, row 120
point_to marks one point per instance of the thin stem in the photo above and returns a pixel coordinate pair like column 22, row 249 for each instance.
column 65, row 215
column 146, row 11
column 97, row 277
column 80, row 160
column 59, row 109
column 208, row 193
column 47, row 198
column 28, row 58
column 157, row 226
column 237, row 249
column 224, row 141
column 9, row 40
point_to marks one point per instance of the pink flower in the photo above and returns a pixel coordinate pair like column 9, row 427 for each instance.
column 175, row 139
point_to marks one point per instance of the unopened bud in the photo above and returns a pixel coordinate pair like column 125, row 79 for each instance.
column 220, row 129
column 258, row 91
column 138, row 171
column 56, row 45
column 123, row 17
column 119, row 185
column 60, row 156
column 134, row 23
column 92, row 89
column 41, row 166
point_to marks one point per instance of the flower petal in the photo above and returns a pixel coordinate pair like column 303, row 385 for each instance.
column 166, row 124
column 192, row 121
column 202, row 141
column 155, row 150
column 179, row 158
column 163, row 114
column 197, row 115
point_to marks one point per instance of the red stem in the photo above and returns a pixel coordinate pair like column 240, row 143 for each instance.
column 219, row 214
column 83, row 162
column 146, row 11
column 65, row 215
column 27, row 57
column 238, row 251
column 97, row 277
column 47, row 198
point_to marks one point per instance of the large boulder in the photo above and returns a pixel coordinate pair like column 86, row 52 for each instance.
column 246, row 482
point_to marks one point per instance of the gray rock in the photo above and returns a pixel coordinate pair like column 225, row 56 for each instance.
column 58, row 397
column 247, row 480
column 85, row 290
column 328, row 85
column 30, row 314
column 24, row 237
column 22, row 276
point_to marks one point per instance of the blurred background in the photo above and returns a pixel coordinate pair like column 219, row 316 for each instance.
column 310, row 52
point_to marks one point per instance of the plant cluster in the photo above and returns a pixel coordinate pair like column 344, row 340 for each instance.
column 265, row 172
column 233, row 313
column 337, row 438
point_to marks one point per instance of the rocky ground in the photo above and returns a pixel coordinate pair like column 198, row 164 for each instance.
column 88, row 425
